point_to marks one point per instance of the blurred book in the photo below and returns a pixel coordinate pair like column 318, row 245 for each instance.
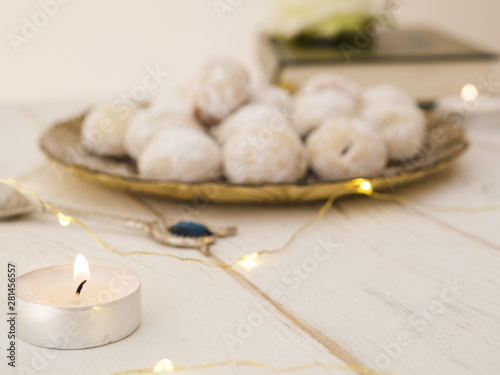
column 423, row 62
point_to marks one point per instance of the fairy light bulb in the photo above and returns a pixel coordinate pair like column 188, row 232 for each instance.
column 364, row 186
column 164, row 365
column 469, row 92
column 249, row 261
column 63, row 219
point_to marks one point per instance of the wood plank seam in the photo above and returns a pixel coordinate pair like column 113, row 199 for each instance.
column 332, row 346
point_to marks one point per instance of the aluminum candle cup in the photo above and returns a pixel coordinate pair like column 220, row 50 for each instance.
column 51, row 314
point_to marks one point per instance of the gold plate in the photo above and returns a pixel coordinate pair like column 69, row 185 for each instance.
column 444, row 142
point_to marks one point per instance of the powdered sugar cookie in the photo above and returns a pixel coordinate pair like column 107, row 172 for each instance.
column 275, row 96
column 385, row 93
column 314, row 108
column 401, row 125
column 251, row 158
column 146, row 123
column 221, row 87
column 254, row 115
column 344, row 148
column 180, row 154
column 325, row 81
column 103, row 130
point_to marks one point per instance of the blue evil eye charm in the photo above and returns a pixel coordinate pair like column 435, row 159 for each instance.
column 190, row 229
column 188, row 234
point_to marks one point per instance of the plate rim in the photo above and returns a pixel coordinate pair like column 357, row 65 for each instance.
column 188, row 191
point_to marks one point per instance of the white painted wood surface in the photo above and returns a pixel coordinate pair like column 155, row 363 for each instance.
column 405, row 288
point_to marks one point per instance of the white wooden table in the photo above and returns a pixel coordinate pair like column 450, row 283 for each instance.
column 410, row 289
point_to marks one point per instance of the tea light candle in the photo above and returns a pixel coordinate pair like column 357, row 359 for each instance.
column 475, row 109
column 77, row 306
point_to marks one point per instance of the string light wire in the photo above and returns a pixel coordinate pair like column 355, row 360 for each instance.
column 321, row 213
column 165, row 365
column 356, row 186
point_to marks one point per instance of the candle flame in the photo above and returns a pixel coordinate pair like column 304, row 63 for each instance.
column 81, row 269
column 469, row 92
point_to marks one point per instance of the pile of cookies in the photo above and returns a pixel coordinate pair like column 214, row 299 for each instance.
column 221, row 126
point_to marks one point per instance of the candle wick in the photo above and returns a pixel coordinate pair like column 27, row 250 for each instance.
column 79, row 289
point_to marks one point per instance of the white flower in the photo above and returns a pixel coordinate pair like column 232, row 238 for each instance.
column 327, row 17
